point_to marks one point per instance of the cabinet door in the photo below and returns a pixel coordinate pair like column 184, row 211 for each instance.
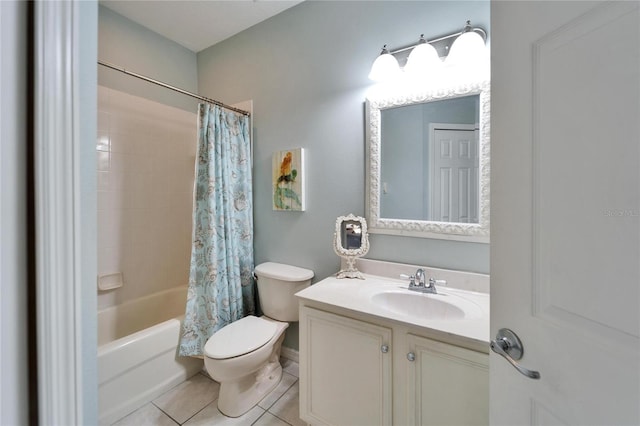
column 345, row 370
column 447, row 385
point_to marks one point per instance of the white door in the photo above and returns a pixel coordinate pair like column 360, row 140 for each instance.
column 454, row 173
column 565, row 210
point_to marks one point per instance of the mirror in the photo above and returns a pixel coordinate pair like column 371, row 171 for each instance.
column 428, row 163
column 351, row 232
column 350, row 241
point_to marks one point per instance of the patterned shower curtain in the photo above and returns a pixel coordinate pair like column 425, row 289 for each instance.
column 221, row 288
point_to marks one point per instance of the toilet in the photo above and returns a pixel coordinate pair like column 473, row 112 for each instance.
column 244, row 356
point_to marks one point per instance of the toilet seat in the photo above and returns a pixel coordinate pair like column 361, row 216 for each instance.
column 240, row 337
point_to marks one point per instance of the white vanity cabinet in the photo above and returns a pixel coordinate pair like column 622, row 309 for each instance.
column 358, row 369
column 373, row 352
column 446, row 384
column 345, row 374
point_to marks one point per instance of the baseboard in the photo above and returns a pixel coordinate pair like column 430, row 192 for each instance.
column 290, row 354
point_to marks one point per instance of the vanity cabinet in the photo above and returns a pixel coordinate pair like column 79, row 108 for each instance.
column 363, row 370
column 446, row 384
column 346, row 372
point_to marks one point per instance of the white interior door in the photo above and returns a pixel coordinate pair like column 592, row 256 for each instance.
column 454, row 173
column 565, row 210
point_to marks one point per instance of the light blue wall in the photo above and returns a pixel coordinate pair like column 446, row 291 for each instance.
column 306, row 71
column 136, row 48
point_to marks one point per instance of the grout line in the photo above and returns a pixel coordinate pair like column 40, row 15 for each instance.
column 265, row 410
column 259, row 417
column 197, row 412
column 283, row 394
column 285, row 391
column 278, row 417
column 165, row 413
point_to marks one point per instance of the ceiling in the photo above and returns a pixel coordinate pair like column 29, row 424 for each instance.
column 198, row 24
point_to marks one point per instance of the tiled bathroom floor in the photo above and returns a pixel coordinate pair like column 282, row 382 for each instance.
column 195, row 402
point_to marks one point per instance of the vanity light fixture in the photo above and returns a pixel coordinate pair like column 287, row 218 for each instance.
column 425, row 57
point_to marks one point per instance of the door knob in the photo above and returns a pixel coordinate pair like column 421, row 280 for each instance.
column 510, row 347
column 411, row 356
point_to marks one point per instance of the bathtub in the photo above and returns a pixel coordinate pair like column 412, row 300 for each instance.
column 137, row 352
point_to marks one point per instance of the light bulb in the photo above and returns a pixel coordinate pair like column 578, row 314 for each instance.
column 467, row 49
column 385, row 67
column 423, row 61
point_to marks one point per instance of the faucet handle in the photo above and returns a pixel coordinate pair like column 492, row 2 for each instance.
column 432, row 285
column 411, row 279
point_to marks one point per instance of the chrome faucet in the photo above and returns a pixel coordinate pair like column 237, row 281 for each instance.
column 417, row 282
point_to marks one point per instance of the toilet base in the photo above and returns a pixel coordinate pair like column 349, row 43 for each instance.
column 238, row 397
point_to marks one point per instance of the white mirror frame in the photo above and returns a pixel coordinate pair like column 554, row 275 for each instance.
column 472, row 232
column 350, row 255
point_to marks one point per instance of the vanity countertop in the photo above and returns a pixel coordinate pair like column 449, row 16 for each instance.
column 358, row 296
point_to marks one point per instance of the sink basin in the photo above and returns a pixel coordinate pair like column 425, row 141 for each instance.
column 426, row 306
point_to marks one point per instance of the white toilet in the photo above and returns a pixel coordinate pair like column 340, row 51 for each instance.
column 244, row 356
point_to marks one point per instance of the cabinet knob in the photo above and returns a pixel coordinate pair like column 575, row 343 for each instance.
column 384, row 348
column 411, row 356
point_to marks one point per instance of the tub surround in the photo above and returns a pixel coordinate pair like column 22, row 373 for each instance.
column 145, row 154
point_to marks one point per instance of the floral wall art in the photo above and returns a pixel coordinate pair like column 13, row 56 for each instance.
column 288, row 180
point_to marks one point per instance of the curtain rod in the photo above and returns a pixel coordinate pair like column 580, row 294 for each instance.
column 176, row 89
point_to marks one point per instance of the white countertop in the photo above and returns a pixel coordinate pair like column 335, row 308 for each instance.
column 356, row 295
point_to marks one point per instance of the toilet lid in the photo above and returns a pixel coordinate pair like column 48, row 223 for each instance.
column 280, row 271
column 239, row 338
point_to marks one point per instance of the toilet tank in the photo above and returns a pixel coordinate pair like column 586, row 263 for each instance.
column 277, row 285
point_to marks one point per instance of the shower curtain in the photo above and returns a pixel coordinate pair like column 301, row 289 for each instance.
column 221, row 287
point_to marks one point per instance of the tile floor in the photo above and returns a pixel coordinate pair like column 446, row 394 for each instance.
column 194, row 402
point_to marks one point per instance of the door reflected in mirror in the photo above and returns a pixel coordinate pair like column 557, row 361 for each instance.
column 429, row 161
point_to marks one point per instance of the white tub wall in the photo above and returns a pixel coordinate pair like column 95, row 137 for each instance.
column 118, row 321
column 145, row 154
